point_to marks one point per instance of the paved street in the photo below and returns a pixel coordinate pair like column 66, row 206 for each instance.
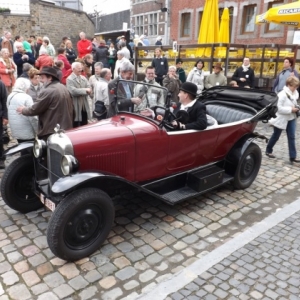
column 223, row 245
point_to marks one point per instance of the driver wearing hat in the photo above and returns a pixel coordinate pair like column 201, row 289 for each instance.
column 195, row 109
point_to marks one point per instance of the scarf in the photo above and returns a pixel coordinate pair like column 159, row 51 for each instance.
column 7, row 62
column 292, row 96
column 245, row 68
column 149, row 81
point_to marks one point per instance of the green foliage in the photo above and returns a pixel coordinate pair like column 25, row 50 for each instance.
column 4, row 9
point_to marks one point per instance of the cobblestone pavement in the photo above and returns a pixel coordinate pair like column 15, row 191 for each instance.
column 263, row 262
column 149, row 243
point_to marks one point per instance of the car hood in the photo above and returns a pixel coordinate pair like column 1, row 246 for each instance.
column 118, row 127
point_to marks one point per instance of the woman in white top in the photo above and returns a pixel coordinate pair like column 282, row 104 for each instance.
column 23, row 128
column 121, row 58
column 47, row 46
column 197, row 76
column 286, row 118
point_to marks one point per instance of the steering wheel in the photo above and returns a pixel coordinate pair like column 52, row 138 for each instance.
column 164, row 117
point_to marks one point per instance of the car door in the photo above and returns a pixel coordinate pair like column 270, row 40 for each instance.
column 191, row 148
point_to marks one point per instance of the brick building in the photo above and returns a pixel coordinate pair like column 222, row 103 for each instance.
column 48, row 19
column 180, row 21
column 151, row 18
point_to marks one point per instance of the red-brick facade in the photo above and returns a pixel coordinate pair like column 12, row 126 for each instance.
column 170, row 21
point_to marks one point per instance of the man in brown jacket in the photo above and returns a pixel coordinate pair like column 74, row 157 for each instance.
column 54, row 105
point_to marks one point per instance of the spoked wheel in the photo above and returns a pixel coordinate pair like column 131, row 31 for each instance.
column 248, row 167
column 80, row 224
column 17, row 188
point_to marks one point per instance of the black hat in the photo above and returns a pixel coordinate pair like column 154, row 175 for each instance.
column 189, row 88
column 49, row 71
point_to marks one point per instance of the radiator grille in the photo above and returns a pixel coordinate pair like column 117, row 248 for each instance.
column 54, row 160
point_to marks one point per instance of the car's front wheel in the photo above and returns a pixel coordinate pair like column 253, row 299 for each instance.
column 248, row 167
column 80, row 224
column 17, row 185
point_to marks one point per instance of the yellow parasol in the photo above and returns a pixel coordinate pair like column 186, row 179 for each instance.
column 209, row 28
column 223, row 33
column 287, row 14
column 224, row 27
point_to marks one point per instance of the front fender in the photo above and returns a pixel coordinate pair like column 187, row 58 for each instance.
column 236, row 152
column 18, row 148
column 65, row 184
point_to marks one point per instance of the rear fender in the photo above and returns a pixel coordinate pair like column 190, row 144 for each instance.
column 67, row 184
column 18, row 148
column 236, row 152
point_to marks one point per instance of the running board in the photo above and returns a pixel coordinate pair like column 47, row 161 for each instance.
column 183, row 186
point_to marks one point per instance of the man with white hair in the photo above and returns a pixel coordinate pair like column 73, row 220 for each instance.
column 101, row 94
column 80, row 89
column 98, row 66
column 84, row 46
column 8, row 43
column 21, row 58
column 125, row 99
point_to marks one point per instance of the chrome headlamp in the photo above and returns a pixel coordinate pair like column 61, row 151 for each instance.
column 69, row 164
column 38, row 147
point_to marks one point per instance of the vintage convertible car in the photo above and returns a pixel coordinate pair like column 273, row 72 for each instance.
column 76, row 173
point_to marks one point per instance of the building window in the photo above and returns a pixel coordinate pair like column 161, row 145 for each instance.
column 273, row 27
column 139, row 28
column 148, row 24
column 200, row 14
column 153, row 20
column 249, row 14
column 185, row 30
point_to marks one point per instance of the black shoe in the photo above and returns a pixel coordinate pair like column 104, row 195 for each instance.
column 2, row 164
column 294, row 160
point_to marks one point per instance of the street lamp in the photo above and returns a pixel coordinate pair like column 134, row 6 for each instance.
column 96, row 13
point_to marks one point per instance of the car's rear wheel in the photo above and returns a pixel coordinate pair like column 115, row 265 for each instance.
column 248, row 167
column 80, row 224
column 17, row 188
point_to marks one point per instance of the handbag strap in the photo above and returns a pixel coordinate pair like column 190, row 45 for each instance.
column 13, row 96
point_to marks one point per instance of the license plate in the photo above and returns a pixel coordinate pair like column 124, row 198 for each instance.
column 48, row 203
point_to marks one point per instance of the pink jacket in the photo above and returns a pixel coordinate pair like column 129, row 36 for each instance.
column 7, row 78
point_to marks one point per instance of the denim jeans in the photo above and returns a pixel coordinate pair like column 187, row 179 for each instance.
column 290, row 132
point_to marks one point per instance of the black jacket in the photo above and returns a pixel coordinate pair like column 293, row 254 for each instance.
column 197, row 116
column 3, row 107
column 249, row 76
column 161, row 66
column 71, row 55
column 102, row 55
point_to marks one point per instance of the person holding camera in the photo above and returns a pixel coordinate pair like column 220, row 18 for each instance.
column 286, row 118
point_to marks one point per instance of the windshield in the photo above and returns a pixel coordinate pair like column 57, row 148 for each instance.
column 140, row 97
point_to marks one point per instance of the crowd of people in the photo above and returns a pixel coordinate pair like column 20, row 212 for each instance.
column 42, row 86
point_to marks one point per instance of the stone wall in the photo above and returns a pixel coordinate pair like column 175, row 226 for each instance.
column 50, row 20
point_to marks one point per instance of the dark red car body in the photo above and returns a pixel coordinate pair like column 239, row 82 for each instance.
column 130, row 151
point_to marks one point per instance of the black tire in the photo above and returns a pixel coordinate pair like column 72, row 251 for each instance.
column 80, row 224
column 17, row 188
column 248, row 167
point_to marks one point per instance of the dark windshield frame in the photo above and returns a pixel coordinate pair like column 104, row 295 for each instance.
column 135, row 83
